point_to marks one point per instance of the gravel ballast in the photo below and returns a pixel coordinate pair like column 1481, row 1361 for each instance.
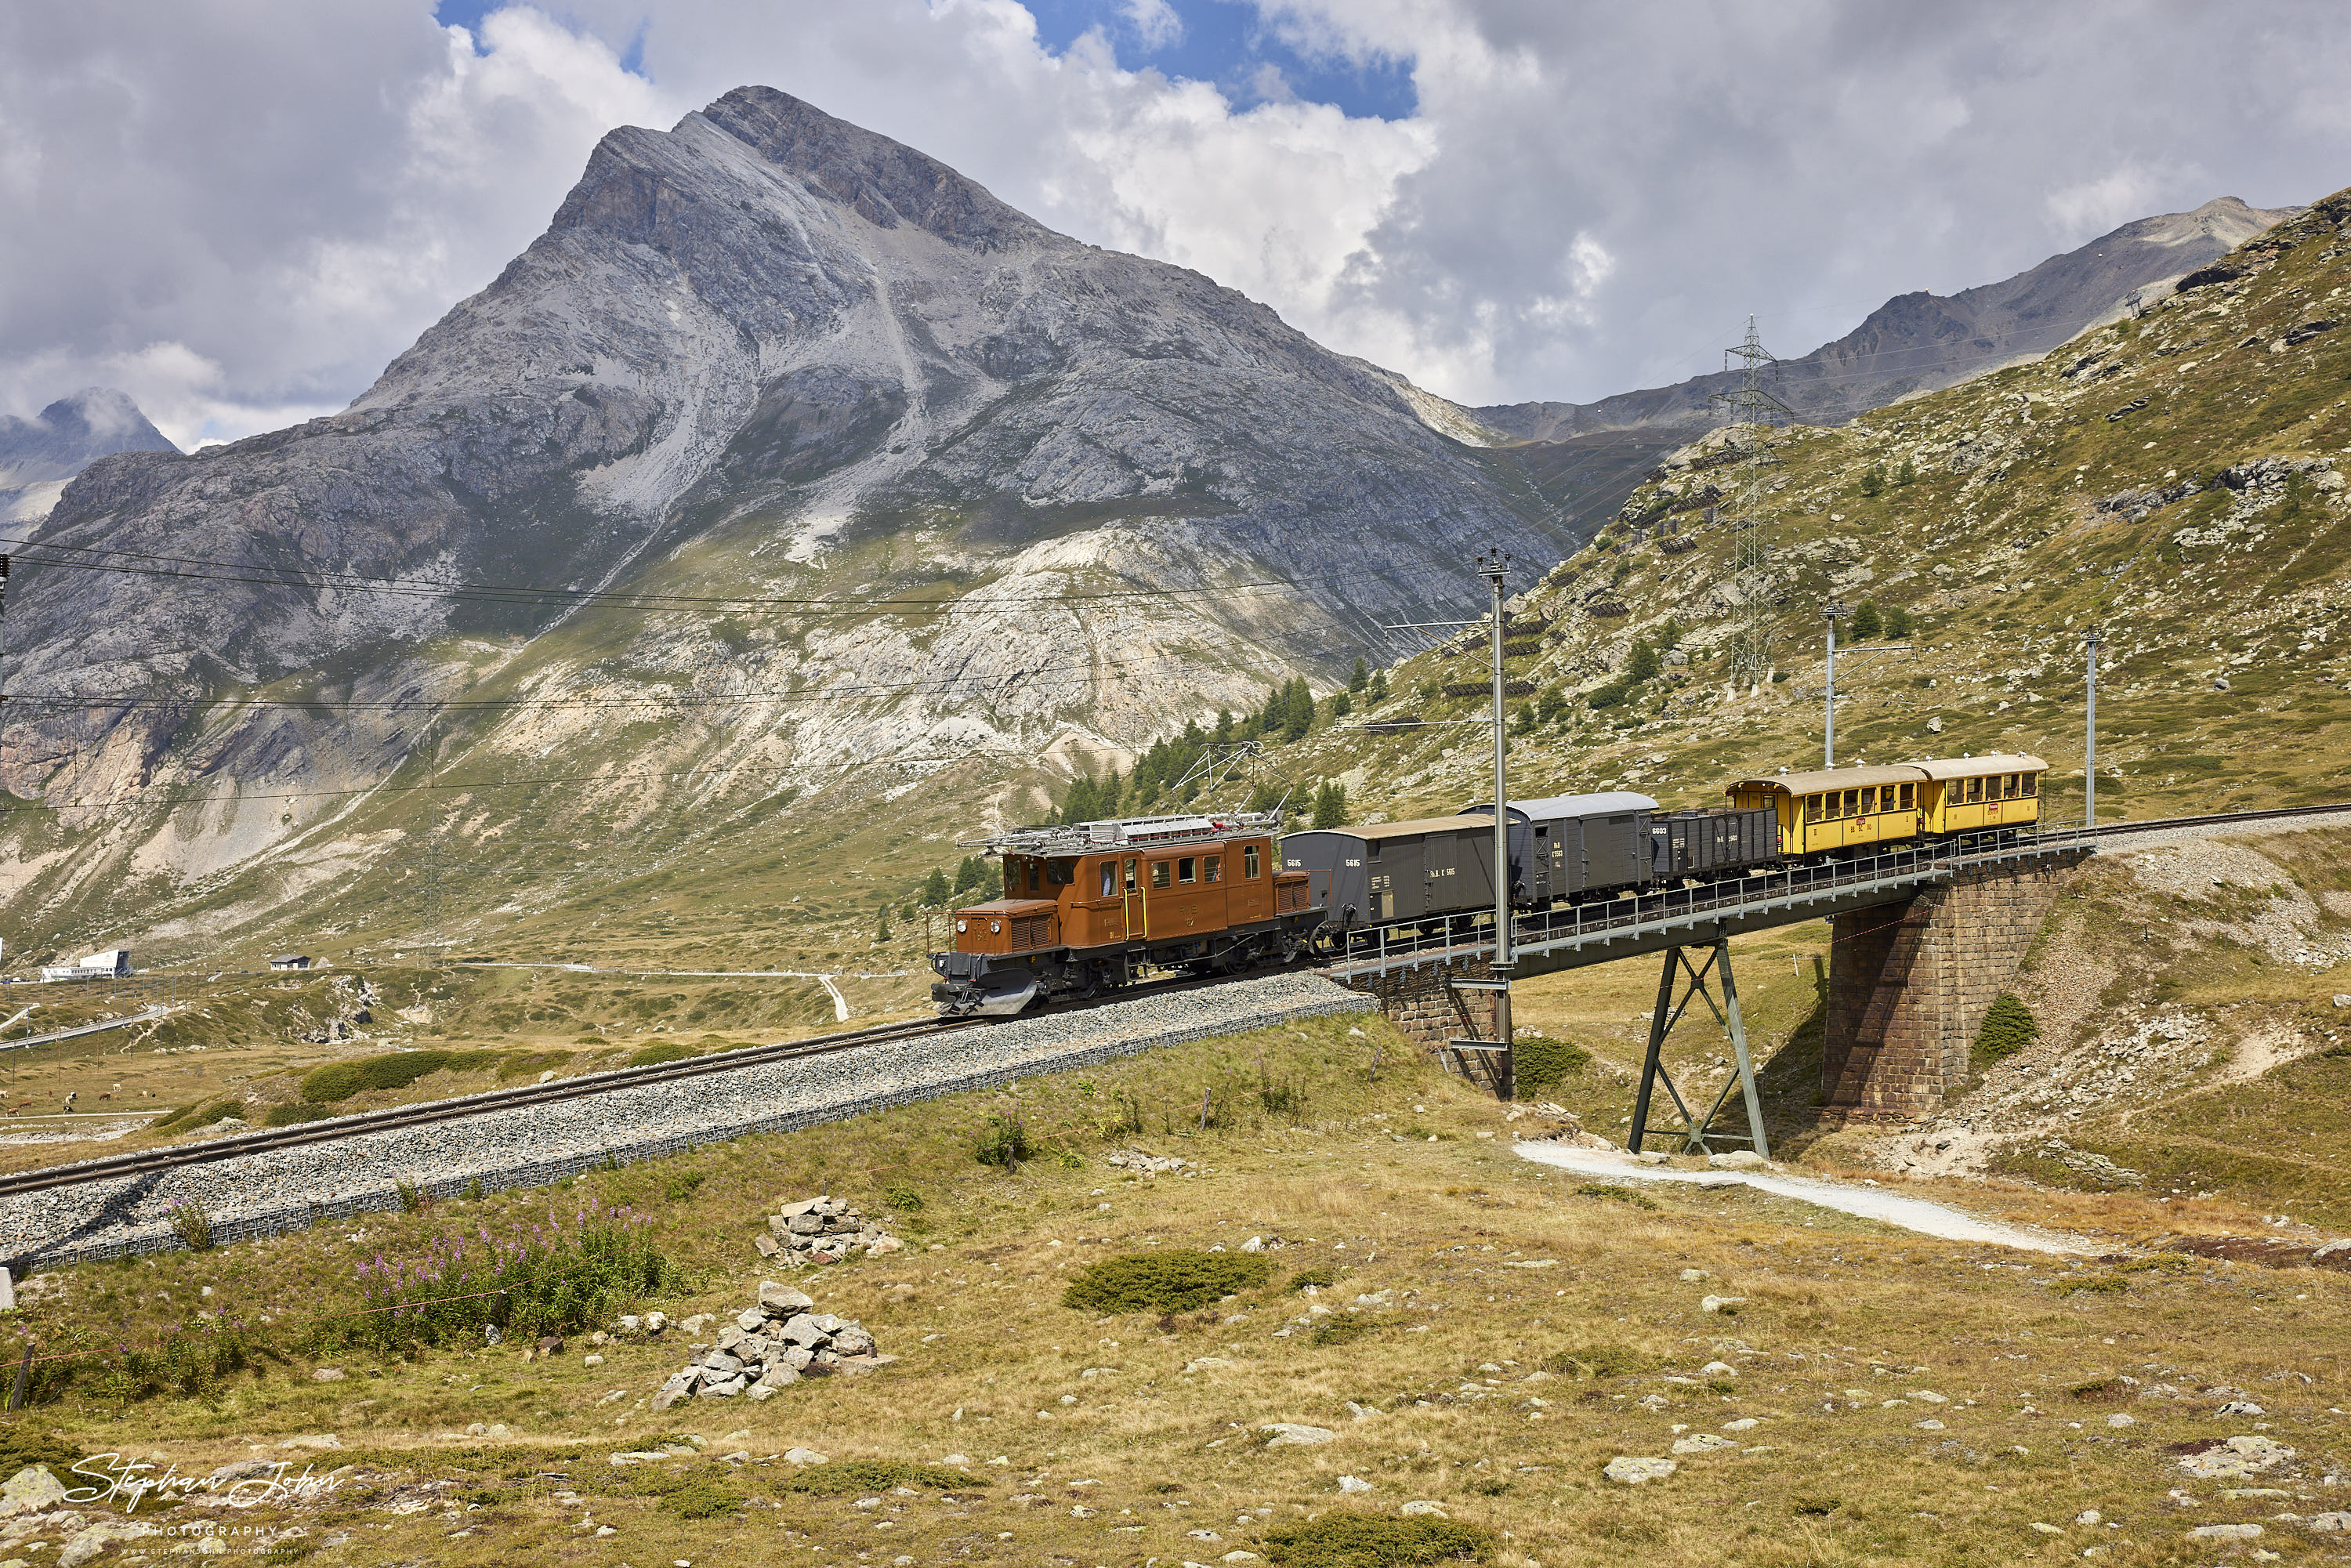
column 266, row 1194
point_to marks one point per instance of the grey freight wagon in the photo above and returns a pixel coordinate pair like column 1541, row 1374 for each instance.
column 1396, row 870
column 1565, row 846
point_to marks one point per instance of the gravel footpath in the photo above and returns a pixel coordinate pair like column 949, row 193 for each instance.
column 263, row 1195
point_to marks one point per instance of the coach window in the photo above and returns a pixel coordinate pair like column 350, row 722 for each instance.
column 1216, row 872
column 1869, row 800
column 1910, row 797
column 1811, row 808
column 1975, row 791
column 2008, row 787
column 2032, row 785
column 1187, row 870
column 1248, row 862
column 1852, row 802
column 1159, row 872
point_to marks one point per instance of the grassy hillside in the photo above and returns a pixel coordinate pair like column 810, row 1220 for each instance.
column 2177, row 479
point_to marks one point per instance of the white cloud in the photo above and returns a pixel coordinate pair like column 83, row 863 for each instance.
column 2092, row 207
column 248, row 211
column 1153, row 21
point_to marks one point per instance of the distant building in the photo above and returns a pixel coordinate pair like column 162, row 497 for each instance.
column 113, row 963
column 290, row 961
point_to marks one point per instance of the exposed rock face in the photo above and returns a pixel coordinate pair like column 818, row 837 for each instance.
column 765, row 354
column 38, row 455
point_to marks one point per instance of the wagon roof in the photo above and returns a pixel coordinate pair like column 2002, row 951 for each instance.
column 1822, row 778
column 1991, row 762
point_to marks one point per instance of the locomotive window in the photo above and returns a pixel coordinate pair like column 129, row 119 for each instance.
column 1187, row 870
column 1811, row 808
column 1159, row 872
column 1248, row 862
column 1216, row 868
column 1032, row 876
column 1129, row 876
column 1060, row 873
column 2031, row 784
column 1909, row 796
column 1110, row 878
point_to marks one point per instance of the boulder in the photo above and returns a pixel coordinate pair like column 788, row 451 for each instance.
column 1632, row 1471
column 679, row 1384
column 725, row 1390
column 30, row 1490
column 780, row 1300
column 1291, row 1434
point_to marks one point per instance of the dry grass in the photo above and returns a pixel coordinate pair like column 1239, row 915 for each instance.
column 1163, row 1439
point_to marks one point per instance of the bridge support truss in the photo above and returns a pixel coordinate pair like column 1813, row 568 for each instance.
column 1696, row 1131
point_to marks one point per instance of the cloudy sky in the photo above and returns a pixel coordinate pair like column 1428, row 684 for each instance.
column 239, row 210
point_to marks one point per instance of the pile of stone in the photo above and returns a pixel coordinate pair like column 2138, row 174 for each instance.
column 823, row 1230
column 770, row 1346
column 1141, row 1163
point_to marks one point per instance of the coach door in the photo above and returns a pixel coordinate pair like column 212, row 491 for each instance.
column 1133, row 871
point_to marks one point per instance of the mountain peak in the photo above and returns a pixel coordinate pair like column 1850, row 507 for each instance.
column 72, row 432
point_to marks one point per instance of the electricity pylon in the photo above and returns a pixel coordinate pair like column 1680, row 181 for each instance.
column 1751, row 406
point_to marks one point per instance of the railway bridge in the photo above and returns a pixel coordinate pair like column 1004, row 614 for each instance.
column 1925, row 940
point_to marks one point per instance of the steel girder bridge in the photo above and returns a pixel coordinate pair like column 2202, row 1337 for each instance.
column 1692, row 926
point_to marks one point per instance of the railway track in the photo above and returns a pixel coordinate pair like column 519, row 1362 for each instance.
column 150, row 1162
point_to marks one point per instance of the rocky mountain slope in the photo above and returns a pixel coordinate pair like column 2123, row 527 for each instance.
column 38, row 455
column 785, row 452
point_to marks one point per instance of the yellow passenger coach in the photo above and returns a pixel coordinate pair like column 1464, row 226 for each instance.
column 1854, row 811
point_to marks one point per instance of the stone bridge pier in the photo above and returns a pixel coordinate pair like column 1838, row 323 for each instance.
column 1425, row 1004
column 1909, row 983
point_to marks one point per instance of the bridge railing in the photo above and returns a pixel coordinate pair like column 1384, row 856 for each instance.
column 1470, row 936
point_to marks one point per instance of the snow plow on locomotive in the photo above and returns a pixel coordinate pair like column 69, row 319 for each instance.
column 1090, row 907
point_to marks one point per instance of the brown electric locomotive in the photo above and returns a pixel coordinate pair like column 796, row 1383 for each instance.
column 1090, row 906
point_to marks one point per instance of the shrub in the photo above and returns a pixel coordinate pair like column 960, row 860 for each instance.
column 1606, row 697
column 1171, row 1281
column 1899, row 622
column 202, row 1114
column 668, row 1050
column 1589, row 1360
column 1540, row 1063
column 1872, row 480
column 1907, row 474
column 903, row 1198
column 294, row 1113
column 1616, row 1193
column 1002, row 1141
column 1344, row 1540
column 339, row 1080
column 191, row 1224
column 1338, row 1329
column 1321, row 1279
column 1644, row 663
column 414, row 1197
column 1867, row 622
column 702, row 1496
column 562, row 1276
column 842, row 1477
column 2009, row 1027
column 189, row 1363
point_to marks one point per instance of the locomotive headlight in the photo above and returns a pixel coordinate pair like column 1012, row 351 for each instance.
column 963, row 924
column 996, row 926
